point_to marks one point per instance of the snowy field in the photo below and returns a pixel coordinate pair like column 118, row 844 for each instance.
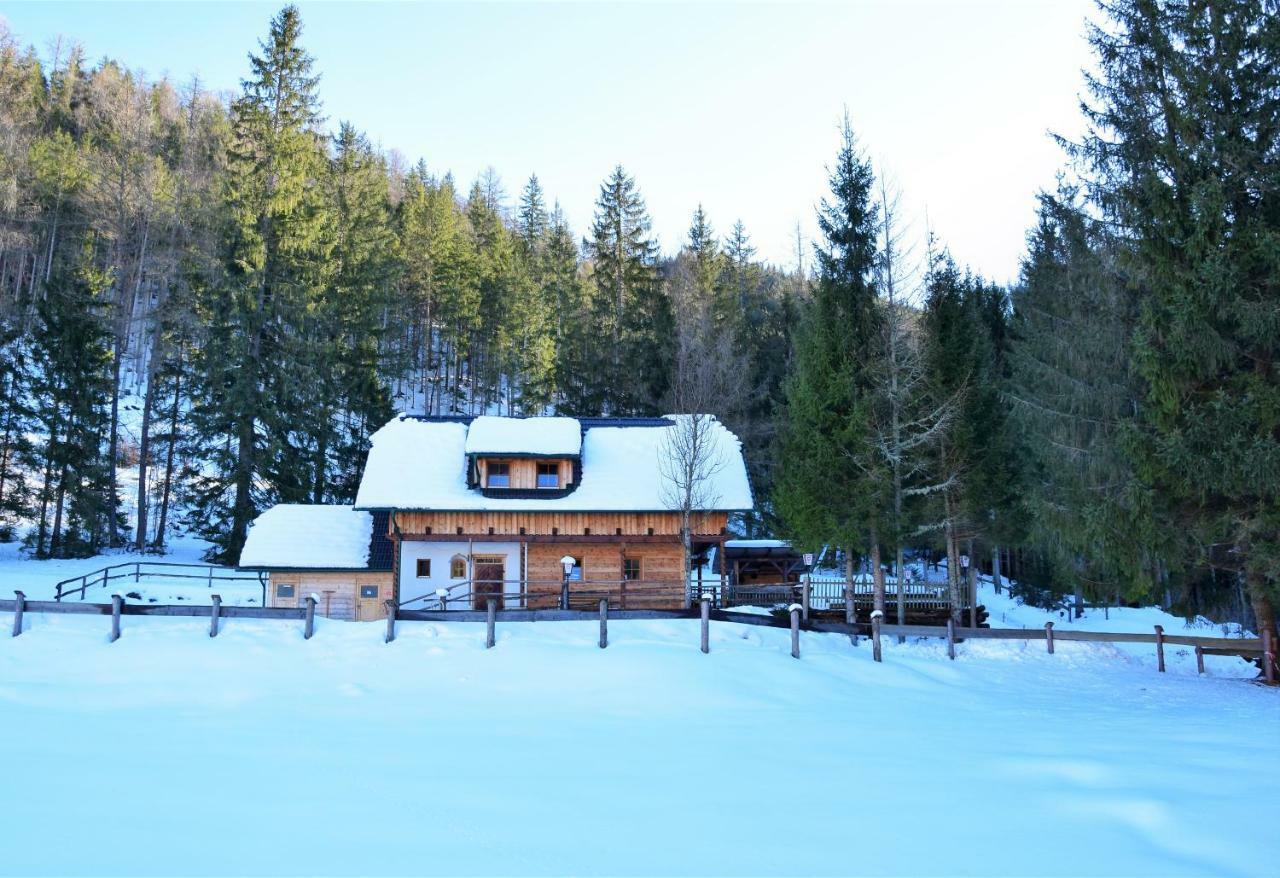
column 38, row 579
column 258, row 752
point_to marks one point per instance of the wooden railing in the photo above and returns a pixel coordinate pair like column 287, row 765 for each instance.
column 549, row 594
column 136, row 570
column 829, row 593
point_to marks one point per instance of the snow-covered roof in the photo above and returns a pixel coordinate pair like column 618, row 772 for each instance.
column 540, row 436
column 756, row 544
column 421, row 464
column 307, row 536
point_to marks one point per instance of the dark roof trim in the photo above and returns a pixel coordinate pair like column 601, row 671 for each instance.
column 587, row 423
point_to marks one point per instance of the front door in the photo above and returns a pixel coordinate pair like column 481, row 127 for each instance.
column 487, row 580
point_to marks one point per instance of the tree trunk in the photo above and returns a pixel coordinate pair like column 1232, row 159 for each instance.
column 144, row 450
column 877, row 571
column 163, row 521
column 953, row 565
column 1264, row 612
column 995, row 568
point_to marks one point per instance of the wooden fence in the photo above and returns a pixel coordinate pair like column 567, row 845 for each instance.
column 1256, row 648
column 136, row 570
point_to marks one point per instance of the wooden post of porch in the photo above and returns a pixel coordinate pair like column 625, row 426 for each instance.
column 804, row 598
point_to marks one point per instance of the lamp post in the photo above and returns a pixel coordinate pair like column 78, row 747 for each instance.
column 567, row 563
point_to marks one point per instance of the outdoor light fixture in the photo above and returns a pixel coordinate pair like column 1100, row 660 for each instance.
column 568, row 562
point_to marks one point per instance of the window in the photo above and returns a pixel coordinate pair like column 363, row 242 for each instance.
column 630, row 568
column 548, row 475
column 498, row 475
column 424, row 568
column 368, row 591
column 284, row 590
column 575, row 575
column 458, row 567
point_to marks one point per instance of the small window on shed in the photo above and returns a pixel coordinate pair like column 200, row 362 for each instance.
column 424, row 568
column 630, row 568
column 368, row 591
column 548, row 475
column 284, row 590
column 498, row 475
column 458, row 567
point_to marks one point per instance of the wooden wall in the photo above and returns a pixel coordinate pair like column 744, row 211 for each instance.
column 546, row 523
column 661, row 571
column 336, row 591
column 524, row 471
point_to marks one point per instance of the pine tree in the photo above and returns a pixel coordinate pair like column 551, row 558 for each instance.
column 253, row 387
column 1074, row 396
column 16, row 425
column 349, row 319
column 829, row 486
column 631, row 313
column 77, row 511
column 1183, row 152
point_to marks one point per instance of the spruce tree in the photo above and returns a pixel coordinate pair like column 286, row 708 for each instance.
column 829, row 487
column 1184, row 152
column 631, row 312
column 275, row 258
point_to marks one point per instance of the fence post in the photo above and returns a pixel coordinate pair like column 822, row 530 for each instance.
column 876, row 616
column 1160, row 648
column 137, row 571
column 310, row 627
column 213, row 615
column 1048, row 636
column 443, row 595
column 391, row 620
column 116, row 603
column 604, row 622
column 57, row 594
column 210, row 583
column 804, row 599
column 1268, row 657
column 796, row 610
column 19, row 604
column 951, row 639
column 706, row 623
column 1199, row 659
column 490, row 622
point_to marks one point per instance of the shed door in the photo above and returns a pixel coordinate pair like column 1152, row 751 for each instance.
column 368, row 602
column 487, row 580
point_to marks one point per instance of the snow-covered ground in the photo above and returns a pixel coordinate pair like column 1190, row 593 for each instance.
column 169, row 752
column 37, row 579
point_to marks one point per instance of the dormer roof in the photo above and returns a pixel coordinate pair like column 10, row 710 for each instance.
column 524, row 437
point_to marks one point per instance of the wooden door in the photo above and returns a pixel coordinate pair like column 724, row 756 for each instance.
column 368, row 602
column 486, row 580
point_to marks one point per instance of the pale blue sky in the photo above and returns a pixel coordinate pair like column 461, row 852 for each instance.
column 731, row 105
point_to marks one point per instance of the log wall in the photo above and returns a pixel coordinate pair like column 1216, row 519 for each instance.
column 413, row 524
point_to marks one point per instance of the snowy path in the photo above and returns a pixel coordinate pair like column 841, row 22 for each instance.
column 171, row 753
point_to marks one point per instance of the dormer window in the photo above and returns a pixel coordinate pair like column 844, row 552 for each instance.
column 548, row 475
column 498, row 475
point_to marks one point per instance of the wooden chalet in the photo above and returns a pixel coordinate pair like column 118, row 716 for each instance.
column 464, row 510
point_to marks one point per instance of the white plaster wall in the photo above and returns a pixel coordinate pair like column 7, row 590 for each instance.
column 419, row 593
